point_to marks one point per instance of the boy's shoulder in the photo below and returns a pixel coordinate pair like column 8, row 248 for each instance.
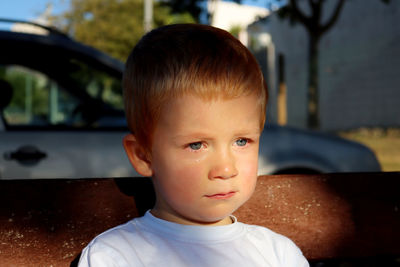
column 283, row 247
column 263, row 234
column 118, row 233
column 110, row 248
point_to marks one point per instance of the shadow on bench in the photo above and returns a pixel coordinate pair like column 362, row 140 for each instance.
column 336, row 219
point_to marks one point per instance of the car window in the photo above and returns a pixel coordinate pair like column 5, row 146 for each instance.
column 78, row 98
column 98, row 84
column 37, row 100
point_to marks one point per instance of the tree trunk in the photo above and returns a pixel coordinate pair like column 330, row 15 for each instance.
column 313, row 88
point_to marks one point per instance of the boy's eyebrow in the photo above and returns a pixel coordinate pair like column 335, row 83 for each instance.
column 191, row 135
column 204, row 135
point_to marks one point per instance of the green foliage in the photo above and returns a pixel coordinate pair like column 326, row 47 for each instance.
column 165, row 16
column 113, row 26
column 235, row 30
column 191, row 7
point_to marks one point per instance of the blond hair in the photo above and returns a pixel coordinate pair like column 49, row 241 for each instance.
column 180, row 59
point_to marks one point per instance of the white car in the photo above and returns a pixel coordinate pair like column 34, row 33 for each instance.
column 62, row 116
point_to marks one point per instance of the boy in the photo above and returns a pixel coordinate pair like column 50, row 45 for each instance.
column 195, row 101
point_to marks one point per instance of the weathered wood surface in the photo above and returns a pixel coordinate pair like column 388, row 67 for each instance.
column 329, row 216
column 48, row 222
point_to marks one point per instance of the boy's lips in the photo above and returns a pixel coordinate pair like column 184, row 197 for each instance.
column 222, row 195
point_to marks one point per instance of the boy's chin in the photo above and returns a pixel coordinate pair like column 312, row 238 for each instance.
column 218, row 215
column 207, row 215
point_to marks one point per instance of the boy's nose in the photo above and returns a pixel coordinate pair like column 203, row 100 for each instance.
column 223, row 167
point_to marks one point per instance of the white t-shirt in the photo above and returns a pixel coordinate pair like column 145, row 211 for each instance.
column 149, row 241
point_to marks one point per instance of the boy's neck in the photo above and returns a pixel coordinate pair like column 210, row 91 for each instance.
column 184, row 221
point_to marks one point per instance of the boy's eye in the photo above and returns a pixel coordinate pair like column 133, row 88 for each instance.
column 241, row 142
column 195, row 146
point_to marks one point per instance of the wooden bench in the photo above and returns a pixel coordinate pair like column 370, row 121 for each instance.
column 336, row 219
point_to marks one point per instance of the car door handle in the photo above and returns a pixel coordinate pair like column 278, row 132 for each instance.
column 26, row 155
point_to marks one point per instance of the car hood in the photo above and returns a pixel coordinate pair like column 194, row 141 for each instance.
column 284, row 147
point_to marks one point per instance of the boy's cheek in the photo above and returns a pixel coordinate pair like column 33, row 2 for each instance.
column 248, row 169
column 248, row 173
column 183, row 178
column 248, row 163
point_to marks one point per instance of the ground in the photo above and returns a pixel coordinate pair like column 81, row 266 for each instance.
column 384, row 142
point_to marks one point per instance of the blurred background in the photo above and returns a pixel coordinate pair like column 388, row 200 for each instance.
column 331, row 65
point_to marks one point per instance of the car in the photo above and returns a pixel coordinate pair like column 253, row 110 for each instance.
column 62, row 116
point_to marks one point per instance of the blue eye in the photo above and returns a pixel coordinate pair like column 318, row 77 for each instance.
column 195, row 146
column 241, row 142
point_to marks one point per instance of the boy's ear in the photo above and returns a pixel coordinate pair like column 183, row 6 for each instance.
column 137, row 156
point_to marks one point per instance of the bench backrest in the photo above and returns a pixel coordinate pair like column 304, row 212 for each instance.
column 48, row 222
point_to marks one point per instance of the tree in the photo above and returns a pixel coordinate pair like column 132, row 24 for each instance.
column 112, row 26
column 315, row 29
column 182, row 6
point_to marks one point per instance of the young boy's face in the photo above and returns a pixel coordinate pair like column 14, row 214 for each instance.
column 204, row 158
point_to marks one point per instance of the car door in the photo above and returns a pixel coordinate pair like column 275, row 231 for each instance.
column 48, row 131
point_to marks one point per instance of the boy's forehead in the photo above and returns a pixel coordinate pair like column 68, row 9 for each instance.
column 214, row 93
column 189, row 110
column 188, row 101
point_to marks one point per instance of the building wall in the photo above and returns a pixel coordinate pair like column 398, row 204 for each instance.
column 359, row 66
